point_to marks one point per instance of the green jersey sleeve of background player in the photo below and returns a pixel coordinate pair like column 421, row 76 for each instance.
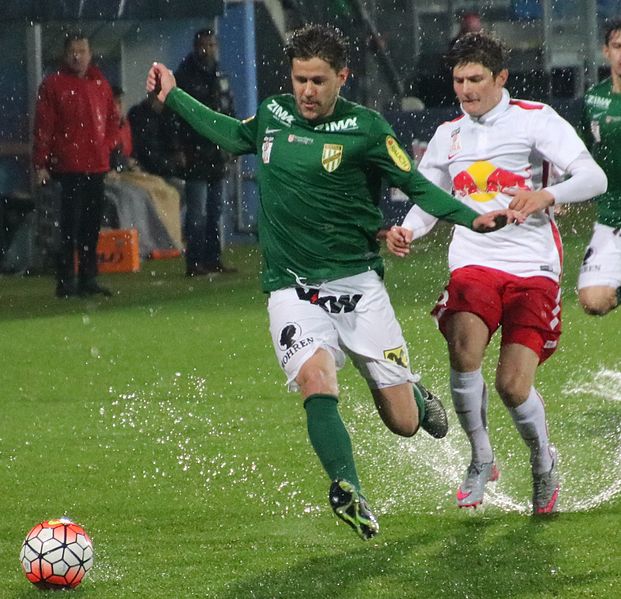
column 320, row 184
column 601, row 131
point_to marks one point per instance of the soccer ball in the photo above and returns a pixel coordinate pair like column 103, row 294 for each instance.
column 56, row 554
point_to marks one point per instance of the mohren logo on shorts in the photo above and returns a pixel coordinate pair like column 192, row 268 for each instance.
column 290, row 340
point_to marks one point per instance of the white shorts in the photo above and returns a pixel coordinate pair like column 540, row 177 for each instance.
column 350, row 316
column 601, row 265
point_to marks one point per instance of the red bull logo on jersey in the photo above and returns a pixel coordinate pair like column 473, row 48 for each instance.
column 483, row 181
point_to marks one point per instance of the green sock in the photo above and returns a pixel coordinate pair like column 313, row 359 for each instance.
column 420, row 402
column 330, row 438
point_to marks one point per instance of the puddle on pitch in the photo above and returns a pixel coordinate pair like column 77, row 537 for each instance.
column 182, row 418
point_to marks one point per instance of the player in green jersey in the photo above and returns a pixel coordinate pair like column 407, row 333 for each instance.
column 321, row 164
column 599, row 283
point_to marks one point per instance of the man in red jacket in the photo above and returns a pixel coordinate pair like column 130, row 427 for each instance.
column 75, row 129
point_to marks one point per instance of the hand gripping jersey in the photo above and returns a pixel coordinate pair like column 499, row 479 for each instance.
column 512, row 146
column 601, row 130
column 320, row 184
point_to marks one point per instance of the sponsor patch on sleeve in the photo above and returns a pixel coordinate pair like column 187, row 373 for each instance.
column 399, row 157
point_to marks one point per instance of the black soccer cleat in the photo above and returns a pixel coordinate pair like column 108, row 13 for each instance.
column 351, row 507
column 435, row 421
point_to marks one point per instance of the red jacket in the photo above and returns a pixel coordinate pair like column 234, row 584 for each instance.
column 125, row 138
column 76, row 123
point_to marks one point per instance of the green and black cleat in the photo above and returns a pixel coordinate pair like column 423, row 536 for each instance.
column 351, row 507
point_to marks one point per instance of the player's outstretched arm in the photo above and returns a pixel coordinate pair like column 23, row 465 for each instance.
column 160, row 80
column 231, row 134
column 496, row 219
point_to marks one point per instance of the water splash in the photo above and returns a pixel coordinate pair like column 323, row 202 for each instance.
column 605, row 482
column 435, row 468
column 423, row 469
column 419, row 474
column 103, row 569
column 169, row 414
column 604, row 384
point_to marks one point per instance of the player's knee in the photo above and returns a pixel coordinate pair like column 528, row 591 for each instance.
column 316, row 379
column 403, row 427
column 463, row 357
column 512, row 390
column 597, row 303
column 595, row 309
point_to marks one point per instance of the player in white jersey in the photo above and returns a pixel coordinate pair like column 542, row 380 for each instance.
column 496, row 155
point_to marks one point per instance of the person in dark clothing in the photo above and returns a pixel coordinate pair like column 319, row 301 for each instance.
column 154, row 139
column 200, row 76
column 75, row 129
column 469, row 22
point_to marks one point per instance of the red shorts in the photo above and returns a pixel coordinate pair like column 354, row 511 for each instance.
column 527, row 308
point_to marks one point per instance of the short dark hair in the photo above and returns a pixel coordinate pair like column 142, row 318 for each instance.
column 74, row 36
column 319, row 41
column 478, row 47
column 610, row 27
column 117, row 91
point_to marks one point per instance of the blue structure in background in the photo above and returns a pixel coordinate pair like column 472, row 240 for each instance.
column 238, row 58
column 14, row 122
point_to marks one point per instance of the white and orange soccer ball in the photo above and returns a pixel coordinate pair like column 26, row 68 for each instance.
column 56, row 554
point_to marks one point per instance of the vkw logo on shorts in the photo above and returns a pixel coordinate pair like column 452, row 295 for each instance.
column 331, row 156
column 330, row 303
column 398, row 355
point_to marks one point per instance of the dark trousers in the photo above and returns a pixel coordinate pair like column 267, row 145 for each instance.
column 81, row 210
column 203, row 205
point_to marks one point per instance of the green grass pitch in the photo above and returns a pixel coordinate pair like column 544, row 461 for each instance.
column 158, row 419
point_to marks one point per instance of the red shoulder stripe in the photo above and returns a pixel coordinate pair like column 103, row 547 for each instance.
column 525, row 105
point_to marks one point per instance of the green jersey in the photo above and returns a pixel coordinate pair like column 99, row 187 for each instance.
column 601, row 130
column 320, row 183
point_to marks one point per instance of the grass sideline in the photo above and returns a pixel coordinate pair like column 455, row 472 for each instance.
column 158, row 419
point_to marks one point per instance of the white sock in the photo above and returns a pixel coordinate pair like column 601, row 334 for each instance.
column 470, row 400
column 530, row 420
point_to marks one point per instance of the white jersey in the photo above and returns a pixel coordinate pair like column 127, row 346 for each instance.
column 513, row 146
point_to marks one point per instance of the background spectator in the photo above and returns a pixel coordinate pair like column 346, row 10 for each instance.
column 470, row 22
column 121, row 153
column 76, row 126
column 154, row 138
column 158, row 223
column 200, row 76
